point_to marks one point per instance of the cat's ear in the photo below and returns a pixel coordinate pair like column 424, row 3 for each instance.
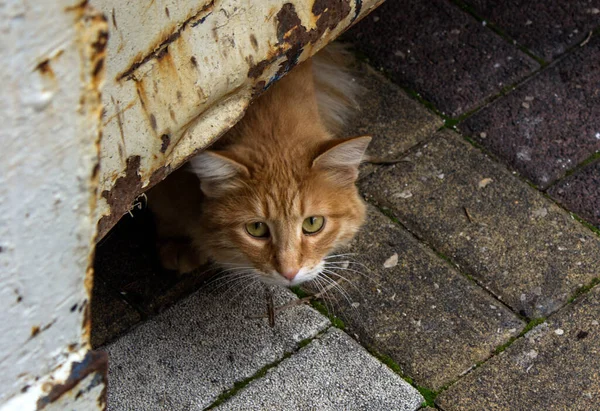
column 218, row 172
column 341, row 160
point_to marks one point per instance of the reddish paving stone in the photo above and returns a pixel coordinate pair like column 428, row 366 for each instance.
column 580, row 193
column 547, row 28
column 551, row 123
column 440, row 51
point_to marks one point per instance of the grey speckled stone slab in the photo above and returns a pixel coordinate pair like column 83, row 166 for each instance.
column 188, row 355
column 333, row 372
column 514, row 241
column 413, row 306
column 553, row 367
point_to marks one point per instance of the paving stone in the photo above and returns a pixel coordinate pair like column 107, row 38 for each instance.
column 412, row 306
column 333, row 372
column 127, row 261
column 551, row 123
column 185, row 357
column 553, row 367
column 580, row 192
column 396, row 121
column 440, row 51
column 548, row 28
column 111, row 315
column 514, row 241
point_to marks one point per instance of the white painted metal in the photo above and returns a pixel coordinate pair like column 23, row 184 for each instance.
column 49, row 111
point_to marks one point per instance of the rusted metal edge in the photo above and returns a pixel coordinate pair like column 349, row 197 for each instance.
column 93, row 362
column 196, row 19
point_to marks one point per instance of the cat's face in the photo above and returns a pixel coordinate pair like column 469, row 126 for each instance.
column 281, row 224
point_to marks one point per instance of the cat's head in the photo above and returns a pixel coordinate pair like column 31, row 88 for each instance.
column 280, row 218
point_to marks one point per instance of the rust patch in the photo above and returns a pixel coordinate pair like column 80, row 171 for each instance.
column 120, row 196
column 159, row 50
column 167, row 12
column 166, row 140
column 45, row 69
column 35, row 330
column 194, row 61
column 158, row 176
column 293, row 36
column 93, row 362
column 254, row 42
column 153, row 122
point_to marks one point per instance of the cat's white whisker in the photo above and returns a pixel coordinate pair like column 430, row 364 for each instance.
column 337, row 255
column 337, row 286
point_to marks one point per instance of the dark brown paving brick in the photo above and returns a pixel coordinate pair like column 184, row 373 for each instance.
column 580, row 192
column 547, row 28
column 431, row 320
column 514, row 241
column 111, row 315
column 440, row 51
column 553, row 367
column 551, row 123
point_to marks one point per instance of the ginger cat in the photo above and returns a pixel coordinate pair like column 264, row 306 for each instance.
column 276, row 194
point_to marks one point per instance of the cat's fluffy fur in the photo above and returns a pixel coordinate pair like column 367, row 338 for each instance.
column 279, row 165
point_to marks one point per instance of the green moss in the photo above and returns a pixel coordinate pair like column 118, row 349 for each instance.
column 530, row 325
column 583, row 290
column 428, row 395
column 320, row 307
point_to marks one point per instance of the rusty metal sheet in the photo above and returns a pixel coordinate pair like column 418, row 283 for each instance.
column 180, row 74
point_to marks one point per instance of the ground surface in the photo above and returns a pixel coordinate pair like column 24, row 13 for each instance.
column 478, row 263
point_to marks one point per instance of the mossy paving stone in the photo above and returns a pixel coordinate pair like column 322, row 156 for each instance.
column 556, row 366
column 431, row 320
column 396, row 121
column 333, row 372
column 514, row 241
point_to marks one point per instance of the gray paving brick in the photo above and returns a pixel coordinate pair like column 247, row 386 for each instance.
column 553, row 367
column 333, row 372
column 431, row 320
column 580, row 192
column 396, row 121
column 519, row 245
column 440, row 51
column 187, row 356
column 548, row 28
column 551, row 123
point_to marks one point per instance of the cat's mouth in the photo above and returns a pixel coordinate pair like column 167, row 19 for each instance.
column 304, row 275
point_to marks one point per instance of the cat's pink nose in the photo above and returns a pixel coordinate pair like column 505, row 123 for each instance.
column 289, row 273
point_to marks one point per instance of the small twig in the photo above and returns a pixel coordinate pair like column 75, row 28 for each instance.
column 587, row 39
column 468, row 215
column 270, row 308
column 383, row 161
column 271, row 312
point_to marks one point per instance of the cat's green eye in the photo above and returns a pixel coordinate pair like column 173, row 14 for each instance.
column 313, row 225
column 257, row 229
